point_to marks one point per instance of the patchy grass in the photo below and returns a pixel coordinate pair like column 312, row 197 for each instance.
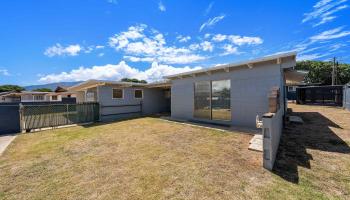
column 150, row 158
column 314, row 158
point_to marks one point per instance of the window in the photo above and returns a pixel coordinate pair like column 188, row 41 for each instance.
column 212, row 100
column 291, row 89
column 221, row 100
column 202, row 100
column 138, row 94
column 54, row 98
column 90, row 96
column 39, row 97
column 117, row 93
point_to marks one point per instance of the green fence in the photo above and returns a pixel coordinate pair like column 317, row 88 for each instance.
column 42, row 116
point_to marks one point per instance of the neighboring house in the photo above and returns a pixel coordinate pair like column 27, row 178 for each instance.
column 232, row 94
column 119, row 99
column 8, row 97
column 33, row 96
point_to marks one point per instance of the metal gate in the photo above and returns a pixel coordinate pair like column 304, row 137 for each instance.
column 320, row 95
column 42, row 116
column 9, row 118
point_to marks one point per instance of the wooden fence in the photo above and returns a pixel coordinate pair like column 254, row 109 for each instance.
column 43, row 116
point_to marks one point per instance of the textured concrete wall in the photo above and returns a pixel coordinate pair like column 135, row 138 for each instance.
column 272, row 131
column 249, row 91
column 346, row 102
column 153, row 101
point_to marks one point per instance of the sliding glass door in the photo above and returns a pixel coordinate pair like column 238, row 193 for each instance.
column 221, row 100
column 202, row 100
column 212, row 100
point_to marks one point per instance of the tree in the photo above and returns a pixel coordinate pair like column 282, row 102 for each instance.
column 8, row 88
column 43, row 90
column 134, row 80
column 321, row 72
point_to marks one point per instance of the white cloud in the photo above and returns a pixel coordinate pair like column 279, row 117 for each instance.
column 4, row 72
column 116, row 72
column 100, row 54
column 139, row 44
column 330, row 34
column 161, row 6
column 210, row 6
column 203, row 46
column 238, row 40
column 59, row 50
column 99, row 47
column 308, row 57
column 323, row 11
column 182, row 38
column 211, row 22
column 207, row 46
column 229, row 49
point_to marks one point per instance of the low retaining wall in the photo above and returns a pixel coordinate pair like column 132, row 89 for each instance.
column 272, row 131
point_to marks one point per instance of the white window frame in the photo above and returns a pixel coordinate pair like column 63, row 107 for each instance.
column 291, row 88
column 141, row 93
column 54, row 99
column 38, row 95
column 118, row 89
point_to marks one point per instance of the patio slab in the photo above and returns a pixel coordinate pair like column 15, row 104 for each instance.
column 256, row 143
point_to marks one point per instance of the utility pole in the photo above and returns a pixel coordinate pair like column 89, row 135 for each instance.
column 333, row 72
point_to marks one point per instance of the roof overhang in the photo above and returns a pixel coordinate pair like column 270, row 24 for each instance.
column 95, row 83
column 294, row 77
column 278, row 58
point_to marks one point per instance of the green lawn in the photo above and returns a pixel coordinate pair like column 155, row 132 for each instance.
column 149, row 158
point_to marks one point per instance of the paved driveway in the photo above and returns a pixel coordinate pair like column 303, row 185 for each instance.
column 5, row 140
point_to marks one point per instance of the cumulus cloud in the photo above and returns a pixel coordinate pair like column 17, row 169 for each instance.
column 203, row 46
column 4, row 72
column 116, row 72
column 161, row 6
column 324, row 11
column 229, row 49
column 237, row 39
column 143, row 45
column 211, row 22
column 59, row 50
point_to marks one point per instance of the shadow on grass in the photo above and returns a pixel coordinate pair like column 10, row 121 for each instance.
column 297, row 138
column 122, row 118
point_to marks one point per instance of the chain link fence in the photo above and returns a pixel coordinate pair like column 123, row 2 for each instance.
column 54, row 115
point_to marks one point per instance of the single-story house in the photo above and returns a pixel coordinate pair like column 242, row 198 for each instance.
column 120, row 99
column 232, row 94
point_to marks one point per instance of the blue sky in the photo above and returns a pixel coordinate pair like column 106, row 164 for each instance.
column 72, row 40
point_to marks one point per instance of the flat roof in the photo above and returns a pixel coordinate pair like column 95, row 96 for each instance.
column 237, row 64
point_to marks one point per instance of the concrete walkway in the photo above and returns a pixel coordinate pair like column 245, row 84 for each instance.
column 5, row 140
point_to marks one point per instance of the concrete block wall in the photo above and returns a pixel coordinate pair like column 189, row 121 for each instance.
column 346, row 102
column 272, row 131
